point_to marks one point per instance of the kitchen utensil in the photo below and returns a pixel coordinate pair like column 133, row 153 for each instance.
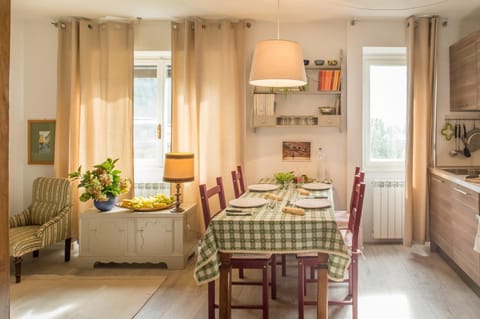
column 454, row 152
column 466, row 151
column 473, row 138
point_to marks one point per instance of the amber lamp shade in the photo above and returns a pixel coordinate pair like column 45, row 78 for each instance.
column 179, row 169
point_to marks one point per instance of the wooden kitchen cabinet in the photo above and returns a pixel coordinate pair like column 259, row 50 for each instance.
column 453, row 224
column 121, row 235
column 440, row 214
column 465, row 74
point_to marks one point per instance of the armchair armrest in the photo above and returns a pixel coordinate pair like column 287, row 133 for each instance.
column 21, row 219
column 57, row 228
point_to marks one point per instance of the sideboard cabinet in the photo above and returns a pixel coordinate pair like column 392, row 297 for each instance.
column 122, row 235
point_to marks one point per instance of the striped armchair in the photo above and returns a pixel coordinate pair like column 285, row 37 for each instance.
column 46, row 221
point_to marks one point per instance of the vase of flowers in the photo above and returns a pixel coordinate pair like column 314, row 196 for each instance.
column 102, row 184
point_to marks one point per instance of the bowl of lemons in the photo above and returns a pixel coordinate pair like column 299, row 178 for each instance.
column 142, row 204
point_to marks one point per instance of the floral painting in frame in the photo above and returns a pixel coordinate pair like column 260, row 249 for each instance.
column 41, row 141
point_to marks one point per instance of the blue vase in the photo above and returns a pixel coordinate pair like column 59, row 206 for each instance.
column 107, row 204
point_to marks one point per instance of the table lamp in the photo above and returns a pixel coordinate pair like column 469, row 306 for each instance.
column 178, row 169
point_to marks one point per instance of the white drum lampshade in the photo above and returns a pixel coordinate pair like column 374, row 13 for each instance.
column 278, row 63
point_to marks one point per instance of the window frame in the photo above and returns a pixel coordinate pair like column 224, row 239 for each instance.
column 161, row 59
column 381, row 56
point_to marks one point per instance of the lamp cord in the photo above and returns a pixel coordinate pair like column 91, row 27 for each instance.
column 278, row 19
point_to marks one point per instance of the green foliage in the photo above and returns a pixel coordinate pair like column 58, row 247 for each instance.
column 284, row 177
column 101, row 181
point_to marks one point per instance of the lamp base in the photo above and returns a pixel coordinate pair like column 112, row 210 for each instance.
column 177, row 208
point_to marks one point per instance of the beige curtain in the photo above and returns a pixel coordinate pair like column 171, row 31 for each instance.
column 208, row 99
column 422, row 90
column 94, row 99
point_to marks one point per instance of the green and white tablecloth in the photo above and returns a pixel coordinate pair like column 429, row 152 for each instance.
column 270, row 230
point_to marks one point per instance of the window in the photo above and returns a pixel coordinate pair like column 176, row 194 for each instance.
column 385, row 107
column 152, row 121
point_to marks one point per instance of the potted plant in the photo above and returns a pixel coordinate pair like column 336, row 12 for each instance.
column 102, row 184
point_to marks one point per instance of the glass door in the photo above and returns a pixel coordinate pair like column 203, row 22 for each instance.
column 152, row 121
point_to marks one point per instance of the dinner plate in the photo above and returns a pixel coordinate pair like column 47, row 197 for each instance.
column 312, row 203
column 316, row 186
column 247, row 202
column 262, row 187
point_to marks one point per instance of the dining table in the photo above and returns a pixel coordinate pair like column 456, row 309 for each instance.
column 266, row 228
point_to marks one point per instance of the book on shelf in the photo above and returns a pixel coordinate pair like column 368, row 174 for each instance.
column 329, row 80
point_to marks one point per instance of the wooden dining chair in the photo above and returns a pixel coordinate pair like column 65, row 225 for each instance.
column 350, row 236
column 239, row 190
column 238, row 182
column 342, row 216
column 244, row 261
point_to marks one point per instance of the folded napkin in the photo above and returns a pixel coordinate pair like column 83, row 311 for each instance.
column 293, row 210
column 272, row 196
column 476, row 245
column 302, row 191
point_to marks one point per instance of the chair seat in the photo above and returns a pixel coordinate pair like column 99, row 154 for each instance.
column 251, row 256
column 307, row 255
column 341, row 217
column 24, row 240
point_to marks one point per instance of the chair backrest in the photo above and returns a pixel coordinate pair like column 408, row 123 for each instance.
column 49, row 197
column 238, row 182
column 356, row 180
column 206, row 194
column 356, row 215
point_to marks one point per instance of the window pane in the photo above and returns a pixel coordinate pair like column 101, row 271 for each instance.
column 152, row 109
column 388, row 100
column 145, row 91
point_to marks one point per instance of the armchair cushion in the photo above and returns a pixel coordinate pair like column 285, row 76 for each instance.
column 46, row 221
column 49, row 197
column 24, row 240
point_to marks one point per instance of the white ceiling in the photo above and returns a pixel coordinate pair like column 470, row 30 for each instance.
column 262, row 10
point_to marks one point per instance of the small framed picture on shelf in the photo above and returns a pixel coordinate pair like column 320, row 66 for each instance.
column 296, row 151
column 41, row 141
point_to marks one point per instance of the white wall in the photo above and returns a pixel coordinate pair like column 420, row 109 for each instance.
column 448, row 35
column 264, row 145
column 32, row 96
column 153, row 36
column 365, row 33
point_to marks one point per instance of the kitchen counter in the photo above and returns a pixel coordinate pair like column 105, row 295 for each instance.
column 456, row 178
column 454, row 208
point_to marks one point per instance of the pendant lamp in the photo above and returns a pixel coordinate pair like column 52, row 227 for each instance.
column 277, row 63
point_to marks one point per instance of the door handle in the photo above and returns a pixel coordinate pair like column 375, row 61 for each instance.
column 159, row 131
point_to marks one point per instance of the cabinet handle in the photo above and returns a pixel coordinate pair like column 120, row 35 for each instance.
column 460, row 191
column 438, row 180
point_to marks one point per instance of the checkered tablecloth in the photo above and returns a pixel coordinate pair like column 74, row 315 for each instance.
column 270, row 230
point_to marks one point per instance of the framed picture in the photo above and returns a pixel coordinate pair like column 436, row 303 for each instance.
column 41, row 141
column 296, row 151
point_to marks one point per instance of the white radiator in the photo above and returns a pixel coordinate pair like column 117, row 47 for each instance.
column 151, row 189
column 388, row 209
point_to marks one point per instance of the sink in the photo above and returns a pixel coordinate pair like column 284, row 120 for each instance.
column 461, row 170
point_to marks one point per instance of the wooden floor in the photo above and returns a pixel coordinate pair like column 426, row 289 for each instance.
column 395, row 282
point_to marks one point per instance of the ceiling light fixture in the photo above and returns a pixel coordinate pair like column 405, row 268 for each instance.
column 278, row 63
